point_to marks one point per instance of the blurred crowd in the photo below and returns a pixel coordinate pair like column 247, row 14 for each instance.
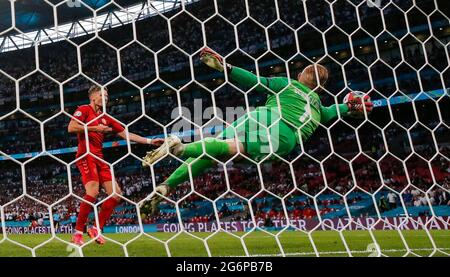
column 38, row 93
column 50, row 185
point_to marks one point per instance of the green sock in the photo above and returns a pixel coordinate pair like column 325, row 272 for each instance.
column 181, row 174
column 214, row 147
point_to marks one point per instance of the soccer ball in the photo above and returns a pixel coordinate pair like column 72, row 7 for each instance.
column 356, row 99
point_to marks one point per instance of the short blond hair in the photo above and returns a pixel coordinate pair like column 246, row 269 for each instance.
column 95, row 88
column 309, row 74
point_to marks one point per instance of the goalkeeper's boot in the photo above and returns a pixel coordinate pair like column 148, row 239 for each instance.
column 95, row 234
column 77, row 239
column 171, row 143
column 150, row 206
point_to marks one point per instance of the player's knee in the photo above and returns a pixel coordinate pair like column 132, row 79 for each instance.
column 93, row 193
column 117, row 193
column 92, row 189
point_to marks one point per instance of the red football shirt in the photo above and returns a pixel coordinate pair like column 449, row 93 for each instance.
column 86, row 114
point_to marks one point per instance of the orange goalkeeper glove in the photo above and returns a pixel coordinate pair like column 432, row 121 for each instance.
column 212, row 59
column 357, row 102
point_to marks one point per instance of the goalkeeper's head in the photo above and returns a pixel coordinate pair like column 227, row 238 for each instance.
column 96, row 94
column 314, row 76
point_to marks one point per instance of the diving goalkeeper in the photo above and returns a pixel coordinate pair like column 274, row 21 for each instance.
column 292, row 113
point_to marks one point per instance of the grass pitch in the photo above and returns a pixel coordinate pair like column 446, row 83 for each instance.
column 326, row 243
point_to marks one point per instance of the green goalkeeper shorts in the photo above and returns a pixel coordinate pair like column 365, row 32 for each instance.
column 262, row 133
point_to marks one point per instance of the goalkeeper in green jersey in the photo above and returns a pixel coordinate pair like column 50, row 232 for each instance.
column 292, row 113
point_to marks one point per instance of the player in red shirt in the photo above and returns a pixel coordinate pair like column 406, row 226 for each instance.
column 95, row 172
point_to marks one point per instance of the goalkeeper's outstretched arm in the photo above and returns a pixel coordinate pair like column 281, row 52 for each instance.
column 354, row 105
column 241, row 76
column 250, row 80
column 331, row 112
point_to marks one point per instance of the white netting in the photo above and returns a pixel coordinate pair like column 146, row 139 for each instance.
column 376, row 186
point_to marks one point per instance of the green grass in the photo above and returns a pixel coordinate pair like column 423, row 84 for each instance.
column 327, row 243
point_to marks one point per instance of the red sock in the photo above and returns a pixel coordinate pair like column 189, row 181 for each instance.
column 106, row 211
column 85, row 209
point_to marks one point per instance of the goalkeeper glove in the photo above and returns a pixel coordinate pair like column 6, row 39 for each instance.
column 357, row 102
column 212, row 59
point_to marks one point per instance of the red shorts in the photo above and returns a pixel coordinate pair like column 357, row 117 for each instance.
column 92, row 169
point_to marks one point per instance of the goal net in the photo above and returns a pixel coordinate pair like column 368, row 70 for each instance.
column 372, row 186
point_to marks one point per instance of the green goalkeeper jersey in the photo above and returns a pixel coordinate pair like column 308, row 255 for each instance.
column 299, row 105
